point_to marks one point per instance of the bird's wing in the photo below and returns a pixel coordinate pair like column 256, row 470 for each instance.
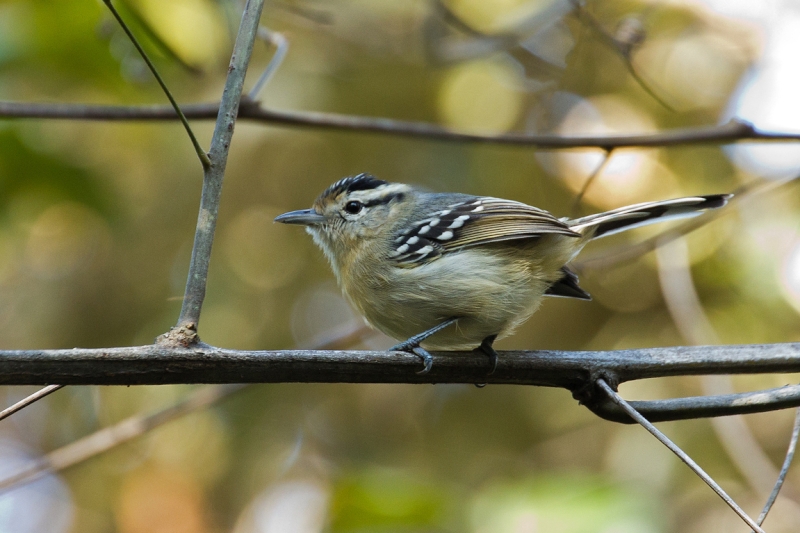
column 473, row 222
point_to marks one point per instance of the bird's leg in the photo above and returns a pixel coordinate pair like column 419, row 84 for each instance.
column 487, row 348
column 412, row 345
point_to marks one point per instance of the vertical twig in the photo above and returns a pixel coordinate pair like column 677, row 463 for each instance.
column 674, row 448
column 218, row 154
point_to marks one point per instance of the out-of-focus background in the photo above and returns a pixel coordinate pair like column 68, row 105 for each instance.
column 96, row 225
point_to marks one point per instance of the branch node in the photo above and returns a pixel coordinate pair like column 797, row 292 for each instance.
column 180, row 336
column 589, row 394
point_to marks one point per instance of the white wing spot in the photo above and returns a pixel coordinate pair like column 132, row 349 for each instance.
column 447, row 235
column 413, row 240
column 424, row 230
column 402, row 249
column 457, row 223
column 479, row 208
column 445, row 213
column 433, row 222
column 425, row 250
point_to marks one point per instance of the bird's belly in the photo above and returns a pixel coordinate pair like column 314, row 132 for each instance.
column 490, row 294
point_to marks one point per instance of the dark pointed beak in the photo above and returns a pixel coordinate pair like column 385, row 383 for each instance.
column 303, row 217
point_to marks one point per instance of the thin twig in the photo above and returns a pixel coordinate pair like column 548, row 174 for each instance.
column 213, row 176
column 589, row 180
column 25, row 402
column 733, row 131
column 204, row 160
column 281, row 45
column 787, row 462
column 683, row 456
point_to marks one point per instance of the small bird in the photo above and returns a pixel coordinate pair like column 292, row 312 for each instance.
column 450, row 271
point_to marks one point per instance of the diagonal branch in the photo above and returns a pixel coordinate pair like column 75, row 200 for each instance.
column 674, row 448
column 197, row 148
column 25, row 402
column 787, row 462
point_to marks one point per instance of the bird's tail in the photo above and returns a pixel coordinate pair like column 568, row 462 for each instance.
column 637, row 215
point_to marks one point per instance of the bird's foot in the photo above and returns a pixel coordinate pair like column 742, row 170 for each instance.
column 487, row 348
column 412, row 345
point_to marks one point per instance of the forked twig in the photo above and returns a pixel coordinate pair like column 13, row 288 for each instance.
column 674, row 448
column 623, row 49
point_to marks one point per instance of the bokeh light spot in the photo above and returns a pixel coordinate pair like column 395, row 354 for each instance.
column 480, row 97
column 65, row 238
column 262, row 253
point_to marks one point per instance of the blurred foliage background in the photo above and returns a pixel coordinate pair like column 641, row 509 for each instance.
column 96, row 225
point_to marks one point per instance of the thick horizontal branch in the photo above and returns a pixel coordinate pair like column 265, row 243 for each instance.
column 156, row 365
column 575, row 371
column 733, row 131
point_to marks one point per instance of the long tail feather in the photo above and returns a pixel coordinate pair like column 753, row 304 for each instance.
column 638, row 215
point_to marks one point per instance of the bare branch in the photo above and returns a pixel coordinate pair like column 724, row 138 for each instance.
column 683, row 456
column 158, row 365
column 575, row 371
column 733, row 131
column 212, row 179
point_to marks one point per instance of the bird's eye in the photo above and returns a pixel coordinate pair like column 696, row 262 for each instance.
column 353, row 207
